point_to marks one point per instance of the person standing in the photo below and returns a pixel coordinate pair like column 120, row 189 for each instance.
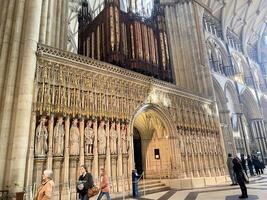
column 230, row 169
column 84, row 183
column 104, row 185
column 45, row 190
column 244, row 163
column 255, row 162
column 240, row 177
column 250, row 166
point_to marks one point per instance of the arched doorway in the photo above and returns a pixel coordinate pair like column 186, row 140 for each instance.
column 152, row 146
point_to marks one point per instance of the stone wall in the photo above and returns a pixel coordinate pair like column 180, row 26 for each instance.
column 76, row 96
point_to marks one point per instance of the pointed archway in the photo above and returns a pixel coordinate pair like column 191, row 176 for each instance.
column 152, row 145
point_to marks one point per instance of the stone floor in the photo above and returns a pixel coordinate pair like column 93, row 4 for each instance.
column 257, row 189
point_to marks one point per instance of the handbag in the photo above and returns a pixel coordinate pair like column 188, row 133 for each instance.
column 92, row 191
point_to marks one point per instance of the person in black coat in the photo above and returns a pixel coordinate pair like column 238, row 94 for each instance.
column 84, row 183
column 256, row 164
column 244, row 163
column 240, row 177
column 250, row 166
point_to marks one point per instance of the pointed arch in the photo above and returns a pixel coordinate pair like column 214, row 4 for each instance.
column 219, row 94
column 250, row 105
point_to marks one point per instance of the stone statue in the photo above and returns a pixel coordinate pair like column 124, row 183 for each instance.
column 59, row 133
column 124, row 139
column 41, row 138
column 89, row 138
column 113, row 139
column 102, row 139
column 74, row 138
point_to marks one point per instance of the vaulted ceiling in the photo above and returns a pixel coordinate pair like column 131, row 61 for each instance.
column 247, row 18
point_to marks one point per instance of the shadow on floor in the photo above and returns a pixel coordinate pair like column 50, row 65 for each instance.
column 235, row 197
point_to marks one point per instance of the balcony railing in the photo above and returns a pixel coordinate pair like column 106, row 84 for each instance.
column 4, row 195
column 248, row 80
column 228, row 71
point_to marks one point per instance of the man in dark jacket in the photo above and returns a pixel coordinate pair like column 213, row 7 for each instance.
column 250, row 166
column 240, row 177
column 256, row 164
column 84, row 183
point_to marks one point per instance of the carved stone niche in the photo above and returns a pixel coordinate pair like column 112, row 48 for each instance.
column 113, row 156
column 101, row 162
column 58, row 159
column 114, row 173
column 89, row 163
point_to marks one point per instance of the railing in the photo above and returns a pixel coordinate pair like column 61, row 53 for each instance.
column 143, row 176
column 220, row 68
column 263, row 87
column 4, row 195
column 229, row 71
column 248, row 80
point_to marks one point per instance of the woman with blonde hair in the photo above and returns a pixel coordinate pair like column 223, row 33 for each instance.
column 104, row 185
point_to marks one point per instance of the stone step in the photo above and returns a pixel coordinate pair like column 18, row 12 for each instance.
column 148, row 182
column 154, row 190
column 147, row 186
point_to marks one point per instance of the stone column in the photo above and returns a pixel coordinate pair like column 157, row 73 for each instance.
column 185, row 32
column 39, row 168
column 64, row 25
column 264, row 138
column 56, row 175
column 95, row 151
column 9, row 61
column 259, row 134
column 4, row 51
column 173, row 34
column 3, row 17
column 242, row 132
column 50, row 142
column 114, row 174
column 73, row 177
column 81, row 127
column 54, row 23
column 50, row 19
column 65, row 194
column 131, row 154
column 43, row 25
column 30, row 160
column 23, row 106
column 119, row 162
column 58, row 23
column 107, row 164
column 194, row 153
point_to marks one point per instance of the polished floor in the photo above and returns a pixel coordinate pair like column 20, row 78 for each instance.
column 257, row 189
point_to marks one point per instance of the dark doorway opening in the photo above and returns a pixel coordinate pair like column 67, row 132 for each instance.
column 137, row 151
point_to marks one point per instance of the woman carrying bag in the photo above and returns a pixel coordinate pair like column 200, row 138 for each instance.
column 84, row 183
